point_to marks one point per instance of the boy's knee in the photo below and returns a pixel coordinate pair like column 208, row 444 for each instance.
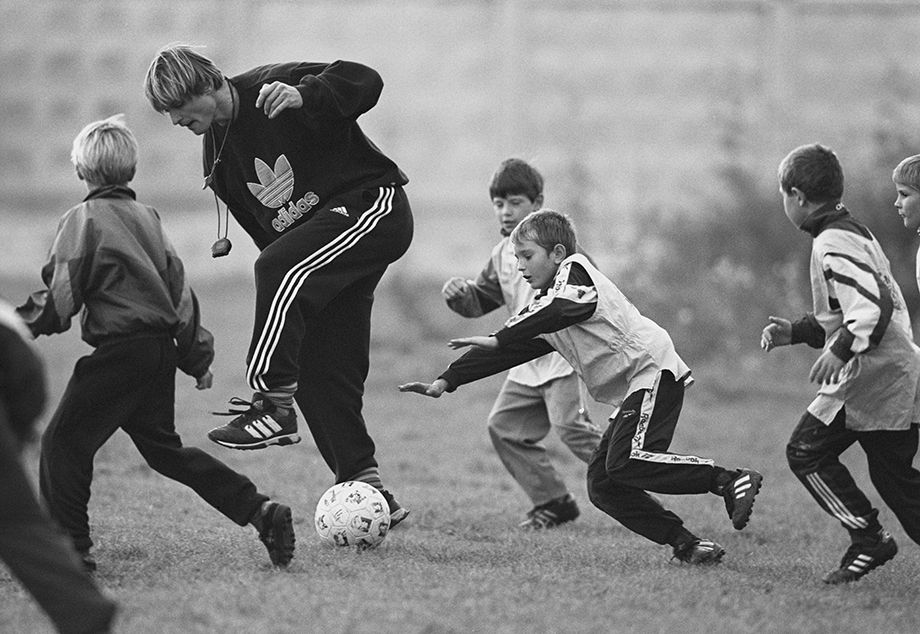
column 800, row 460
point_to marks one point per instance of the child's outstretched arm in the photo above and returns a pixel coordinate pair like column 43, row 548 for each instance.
column 434, row 389
column 480, row 342
column 484, row 358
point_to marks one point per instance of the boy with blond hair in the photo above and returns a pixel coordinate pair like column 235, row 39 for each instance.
column 625, row 360
column 537, row 396
column 906, row 178
column 111, row 259
column 868, row 373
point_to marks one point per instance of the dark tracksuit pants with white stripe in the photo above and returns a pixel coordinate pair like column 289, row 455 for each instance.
column 129, row 383
column 632, row 458
column 314, row 293
column 813, row 453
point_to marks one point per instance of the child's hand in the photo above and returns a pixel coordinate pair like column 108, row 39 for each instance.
column 204, row 381
column 433, row 390
column 777, row 333
column 455, row 288
column 827, row 368
column 483, row 343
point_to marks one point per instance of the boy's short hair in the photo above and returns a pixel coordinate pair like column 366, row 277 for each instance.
column 105, row 152
column 516, row 177
column 547, row 228
column 177, row 74
column 908, row 172
column 815, row 171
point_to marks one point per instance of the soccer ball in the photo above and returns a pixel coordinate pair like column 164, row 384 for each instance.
column 352, row 514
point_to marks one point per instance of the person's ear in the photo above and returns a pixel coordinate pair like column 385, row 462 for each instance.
column 800, row 196
column 538, row 202
column 559, row 253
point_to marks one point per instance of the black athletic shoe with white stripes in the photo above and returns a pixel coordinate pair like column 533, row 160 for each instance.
column 256, row 427
column 862, row 557
column 739, row 496
column 551, row 514
column 699, row 552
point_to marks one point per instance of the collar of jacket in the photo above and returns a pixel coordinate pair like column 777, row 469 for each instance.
column 111, row 191
column 824, row 215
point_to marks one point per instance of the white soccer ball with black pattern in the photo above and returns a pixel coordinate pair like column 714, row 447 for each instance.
column 352, row 514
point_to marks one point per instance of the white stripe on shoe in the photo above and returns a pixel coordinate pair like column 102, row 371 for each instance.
column 263, row 427
column 741, row 486
column 294, row 280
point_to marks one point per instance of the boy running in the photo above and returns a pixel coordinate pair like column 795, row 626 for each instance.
column 536, row 396
column 625, row 360
column 868, row 372
column 111, row 259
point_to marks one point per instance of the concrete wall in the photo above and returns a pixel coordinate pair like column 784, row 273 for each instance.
column 624, row 105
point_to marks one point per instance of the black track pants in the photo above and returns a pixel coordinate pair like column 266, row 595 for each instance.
column 633, row 458
column 40, row 555
column 129, row 384
column 314, row 294
column 813, row 453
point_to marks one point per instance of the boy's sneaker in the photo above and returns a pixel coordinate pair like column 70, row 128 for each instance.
column 256, row 427
column 699, row 552
column 551, row 514
column 739, row 496
column 397, row 512
column 87, row 560
column 862, row 557
column 277, row 533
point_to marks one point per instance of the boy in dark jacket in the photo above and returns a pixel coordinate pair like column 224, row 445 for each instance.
column 111, row 259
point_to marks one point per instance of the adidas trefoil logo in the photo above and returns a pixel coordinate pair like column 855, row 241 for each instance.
column 341, row 211
column 275, row 188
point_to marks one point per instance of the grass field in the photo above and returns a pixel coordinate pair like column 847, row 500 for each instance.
column 458, row 564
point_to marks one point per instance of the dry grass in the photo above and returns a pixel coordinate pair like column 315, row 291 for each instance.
column 458, row 564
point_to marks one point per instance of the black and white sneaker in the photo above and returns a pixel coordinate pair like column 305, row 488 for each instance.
column 277, row 533
column 551, row 514
column 699, row 552
column 397, row 512
column 256, row 427
column 739, row 496
column 862, row 557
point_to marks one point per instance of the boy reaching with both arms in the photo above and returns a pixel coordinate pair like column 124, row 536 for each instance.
column 625, row 360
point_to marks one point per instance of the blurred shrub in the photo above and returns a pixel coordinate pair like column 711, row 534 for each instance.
column 712, row 277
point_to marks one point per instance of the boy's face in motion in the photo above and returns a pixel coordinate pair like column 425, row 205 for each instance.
column 908, row 206
column 538, row 265
column 512, row 209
